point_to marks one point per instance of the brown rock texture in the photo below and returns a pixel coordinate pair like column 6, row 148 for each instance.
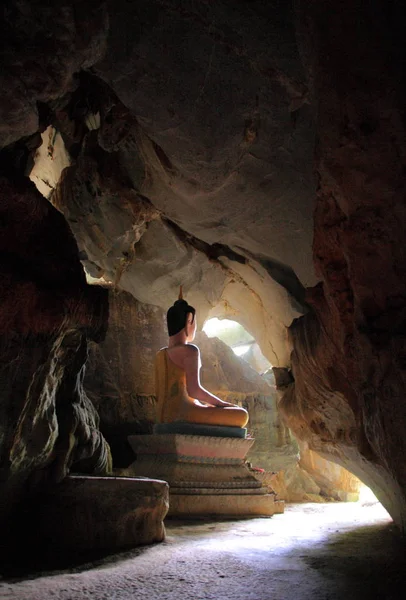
column 43, row 46
column 107, row 216
column 333, row 481
column 48, row 312
column 348, row 398
column 186, row 182
column 119, row 376
column 99, row 514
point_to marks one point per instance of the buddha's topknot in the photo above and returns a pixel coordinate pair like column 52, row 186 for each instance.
column 177, row 315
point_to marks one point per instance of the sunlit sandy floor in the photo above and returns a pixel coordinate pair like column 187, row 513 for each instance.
column 313, row 551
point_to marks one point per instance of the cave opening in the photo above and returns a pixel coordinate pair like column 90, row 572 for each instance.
column 242, row 343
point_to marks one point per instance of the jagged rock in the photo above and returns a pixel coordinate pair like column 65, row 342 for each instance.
column 283, row 377
column 107, row 217
column 256, row 359
column 50, row 159
column 214, row 149
column 347, row 401
column 47, row 312
column 257, row 148
column 43, row 47
column 58, row 426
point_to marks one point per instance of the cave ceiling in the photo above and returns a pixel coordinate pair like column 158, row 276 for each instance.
column 199, row 170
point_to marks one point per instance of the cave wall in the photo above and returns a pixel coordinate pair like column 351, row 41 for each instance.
column 348, row 360
column 48, row 313
column 119, row 376
column 43, row 47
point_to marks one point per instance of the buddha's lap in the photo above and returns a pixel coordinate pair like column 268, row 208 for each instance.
column 228, row 415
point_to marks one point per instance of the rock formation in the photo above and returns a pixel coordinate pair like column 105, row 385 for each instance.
column 190, row 130
column 348, row 361
column 48, row 312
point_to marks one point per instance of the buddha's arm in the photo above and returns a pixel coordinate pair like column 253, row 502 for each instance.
column 194, row 388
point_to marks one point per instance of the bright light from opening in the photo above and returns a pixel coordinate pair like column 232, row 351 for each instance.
column 239, row 340
column 366, row 495
column 240, row 350
column 214, row 327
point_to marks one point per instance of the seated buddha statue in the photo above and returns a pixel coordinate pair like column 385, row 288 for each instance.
column 180, row 395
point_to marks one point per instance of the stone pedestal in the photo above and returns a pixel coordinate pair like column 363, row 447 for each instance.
column 84, row 514
column 207, row 475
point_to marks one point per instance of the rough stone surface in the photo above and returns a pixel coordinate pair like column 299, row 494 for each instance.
column 43, row 46
column 222, row 92
column 47, row 315
column 50, row 159
column 107, row 217
column 201, row 162
column 93, row 514
column 348, row 398
column 58, row 425
column 333, row 481
column 119, row 376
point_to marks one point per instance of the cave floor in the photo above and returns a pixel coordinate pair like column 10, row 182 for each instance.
column 313, row 551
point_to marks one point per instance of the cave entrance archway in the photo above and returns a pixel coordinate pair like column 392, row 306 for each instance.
column 240, row 341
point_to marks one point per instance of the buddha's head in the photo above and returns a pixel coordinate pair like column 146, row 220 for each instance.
column 181, row 316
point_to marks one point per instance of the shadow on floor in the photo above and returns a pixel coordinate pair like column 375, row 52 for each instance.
column 367, row 562
column 295, row 556
column 35, row 561
column 30, row 558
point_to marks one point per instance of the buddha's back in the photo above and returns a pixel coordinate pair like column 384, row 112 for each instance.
column 170, row 386
column 175, row 404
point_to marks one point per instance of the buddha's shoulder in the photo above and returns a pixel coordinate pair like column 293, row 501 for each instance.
column 191, row 349
column 186, row 349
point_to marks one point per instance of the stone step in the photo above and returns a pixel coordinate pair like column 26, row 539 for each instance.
column 191, row 448
column 216, row 490
column 226, row 505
